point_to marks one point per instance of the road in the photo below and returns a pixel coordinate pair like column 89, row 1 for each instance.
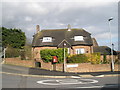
column 22, row 81
column 16, row 81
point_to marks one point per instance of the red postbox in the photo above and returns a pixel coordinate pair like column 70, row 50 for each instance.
column 55, row 59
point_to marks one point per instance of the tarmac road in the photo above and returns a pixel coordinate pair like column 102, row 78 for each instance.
column 17, row 81
column 20, row 77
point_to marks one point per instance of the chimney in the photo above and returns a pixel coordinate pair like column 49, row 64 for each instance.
column 37, row 28
column 69, row 27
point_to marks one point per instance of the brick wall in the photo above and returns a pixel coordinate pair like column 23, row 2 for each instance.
column 84, row 67
column 18, row 61
column 87, row 67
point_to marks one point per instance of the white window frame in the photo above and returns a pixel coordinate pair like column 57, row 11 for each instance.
column 80, row 51
column 78, row 38
column 68, row 50
column 47, row 39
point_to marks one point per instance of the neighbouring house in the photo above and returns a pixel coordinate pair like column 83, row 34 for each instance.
column 105, row 52
column 78, row 41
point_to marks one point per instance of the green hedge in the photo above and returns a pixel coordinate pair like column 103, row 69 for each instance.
column 79, row 58
column 47, row 54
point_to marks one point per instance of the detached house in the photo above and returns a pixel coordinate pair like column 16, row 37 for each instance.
column 78, row 41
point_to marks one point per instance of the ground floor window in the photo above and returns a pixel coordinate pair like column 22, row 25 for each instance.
column 80, row 51
column 68, row 50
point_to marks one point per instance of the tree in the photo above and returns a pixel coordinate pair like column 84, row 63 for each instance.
column 13, row 37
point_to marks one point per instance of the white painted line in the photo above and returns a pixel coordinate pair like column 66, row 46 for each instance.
column 91, row 87
column 100, row 76
column 75, row 77
column 68, row 82
column 99, row 86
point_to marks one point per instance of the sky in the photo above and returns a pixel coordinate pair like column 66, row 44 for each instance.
column 91, row 15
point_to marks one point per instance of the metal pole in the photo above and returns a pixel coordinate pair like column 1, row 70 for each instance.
column 4, row 51
column 112, row 62
column 64, row 59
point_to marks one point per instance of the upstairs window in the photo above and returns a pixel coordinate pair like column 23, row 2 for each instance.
column 78, row 38
column 47, row 39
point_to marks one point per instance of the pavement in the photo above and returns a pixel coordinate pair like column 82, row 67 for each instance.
column 37, row 72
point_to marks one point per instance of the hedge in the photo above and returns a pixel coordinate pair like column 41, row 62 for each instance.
column 79, row 58
column 47, row 54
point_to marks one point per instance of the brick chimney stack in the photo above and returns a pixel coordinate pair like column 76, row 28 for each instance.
column 37, row 28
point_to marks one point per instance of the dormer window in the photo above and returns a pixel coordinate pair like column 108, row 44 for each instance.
column 47, row 39
column 78, row 38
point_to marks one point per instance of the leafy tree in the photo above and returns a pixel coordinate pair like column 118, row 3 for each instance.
column 13, row 37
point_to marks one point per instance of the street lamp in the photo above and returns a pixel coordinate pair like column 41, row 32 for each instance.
column 4, row 51
column 64, row 68
column 112, row 62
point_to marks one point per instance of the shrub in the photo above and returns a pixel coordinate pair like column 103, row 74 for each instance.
column 105, row 59
column 12, row 52
column 94, row 58
column 47, row 54
column 79, row 58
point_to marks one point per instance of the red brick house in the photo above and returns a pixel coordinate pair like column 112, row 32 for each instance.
column 78, row 41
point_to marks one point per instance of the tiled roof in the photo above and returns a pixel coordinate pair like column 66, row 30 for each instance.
column 58, row 35
column 103, row 50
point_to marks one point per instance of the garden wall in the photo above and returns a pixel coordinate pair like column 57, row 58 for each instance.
column 87, row 67
column 77, row 67
column 18, row 61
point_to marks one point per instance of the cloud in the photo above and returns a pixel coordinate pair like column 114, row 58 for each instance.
column 92, row 16
column 28, row 19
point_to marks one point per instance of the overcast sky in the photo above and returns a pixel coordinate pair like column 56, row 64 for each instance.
column 50, row 14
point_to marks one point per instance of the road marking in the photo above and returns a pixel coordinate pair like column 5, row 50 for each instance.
column 75, row 77
column 100, row 86
column 67, row 82
column 100, row 76
column 91, row 87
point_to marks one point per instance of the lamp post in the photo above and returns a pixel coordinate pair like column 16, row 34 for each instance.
column 64, row 67
column 112, row 62
column 4, row 51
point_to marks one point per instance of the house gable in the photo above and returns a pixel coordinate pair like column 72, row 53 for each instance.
column 63, row 44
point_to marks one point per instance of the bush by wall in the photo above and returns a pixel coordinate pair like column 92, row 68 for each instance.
column 47, row 54
column 94, row 58
column 79, row 58
column 26, row 53
column 105, row 61
column 12, row 52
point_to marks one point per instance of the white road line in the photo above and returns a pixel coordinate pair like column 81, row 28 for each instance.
column 64, row 82
column 99, row 86
column 75, row 77
column 91, row 87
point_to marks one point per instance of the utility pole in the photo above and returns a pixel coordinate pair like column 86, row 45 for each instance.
column 112, row 62
column 4, row 51
column 64, row 67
